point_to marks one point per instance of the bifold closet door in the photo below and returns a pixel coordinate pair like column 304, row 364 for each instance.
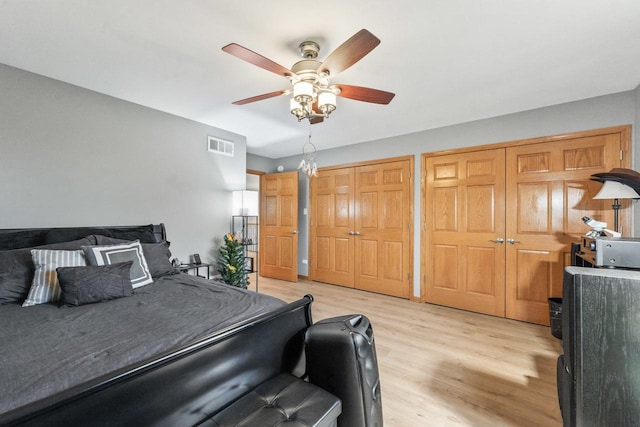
column 465, row 260
column 279, row 226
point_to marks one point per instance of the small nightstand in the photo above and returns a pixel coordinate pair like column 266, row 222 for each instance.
column 183, row 268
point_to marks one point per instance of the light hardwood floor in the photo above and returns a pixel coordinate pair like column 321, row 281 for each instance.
column 446, row 367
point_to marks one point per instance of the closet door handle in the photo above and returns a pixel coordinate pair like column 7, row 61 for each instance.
column 499, row 240
column 294, row 231
column 357, row 233
column 352, row 233
column 512, row 241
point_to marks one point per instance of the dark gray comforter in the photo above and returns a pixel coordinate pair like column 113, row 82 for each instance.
column 45, row 349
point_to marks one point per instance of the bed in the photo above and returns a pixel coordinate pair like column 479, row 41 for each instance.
column 171, row 352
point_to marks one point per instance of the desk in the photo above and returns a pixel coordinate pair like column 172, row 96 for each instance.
column 183, row 268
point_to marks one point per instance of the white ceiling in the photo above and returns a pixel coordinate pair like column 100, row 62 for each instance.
column 448, row 61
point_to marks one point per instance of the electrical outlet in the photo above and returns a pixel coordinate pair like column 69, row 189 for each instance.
column 304, row 261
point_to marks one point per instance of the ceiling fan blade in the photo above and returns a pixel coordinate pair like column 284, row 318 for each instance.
column 261, row 97
column 349, row 52
column 364, row 94
column 257, row 59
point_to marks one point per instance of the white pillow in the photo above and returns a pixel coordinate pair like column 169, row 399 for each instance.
column 114, row 254
column 45, row 286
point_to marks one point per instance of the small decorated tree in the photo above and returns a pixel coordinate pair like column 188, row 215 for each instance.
column 231, row 264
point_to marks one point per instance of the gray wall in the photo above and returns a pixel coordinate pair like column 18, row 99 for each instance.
column 70, row 156
column 262, row 164
column 605, row 111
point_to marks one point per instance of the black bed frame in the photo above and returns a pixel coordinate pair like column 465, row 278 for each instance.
column 187, row 385
column 159, row 230
column 183, row 387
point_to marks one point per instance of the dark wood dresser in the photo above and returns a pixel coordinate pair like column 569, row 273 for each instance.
column 599, row 370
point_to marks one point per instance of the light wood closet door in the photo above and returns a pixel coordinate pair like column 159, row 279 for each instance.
column 279, row 226
column 465, row 213
column 332, row 227
column 360, row 234
column 383, row 228
column 548, row 192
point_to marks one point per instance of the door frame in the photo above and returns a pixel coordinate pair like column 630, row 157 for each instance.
column 411, row 159
column 625, row 162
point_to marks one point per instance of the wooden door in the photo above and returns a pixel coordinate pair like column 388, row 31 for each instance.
column 331, row 234
column 383, row 228
column 464, row 212
column 548, row 192
column 279, row 226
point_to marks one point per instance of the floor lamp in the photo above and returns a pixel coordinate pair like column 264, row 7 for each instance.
column 616, row 190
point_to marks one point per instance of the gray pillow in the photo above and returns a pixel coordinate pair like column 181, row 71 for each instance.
column 112, row 254
column 17, row 268
column 107, row 240
column 158, row 258
column 16, row 275
column 95, row 283
column 158, row 255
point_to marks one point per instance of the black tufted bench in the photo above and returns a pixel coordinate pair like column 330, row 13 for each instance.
column 282, row 401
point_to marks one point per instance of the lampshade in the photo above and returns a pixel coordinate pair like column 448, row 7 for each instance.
column 245, row 203
column 295, row 108
column 303, row 92
column 326, row 102
column 625, row 176
column 616, row 190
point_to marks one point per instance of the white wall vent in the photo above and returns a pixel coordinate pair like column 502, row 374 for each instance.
column 221, row 146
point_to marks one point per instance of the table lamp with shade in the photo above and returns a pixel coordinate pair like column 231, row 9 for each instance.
column 616, row 191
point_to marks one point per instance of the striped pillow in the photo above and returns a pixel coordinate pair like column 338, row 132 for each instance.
column 45, row 286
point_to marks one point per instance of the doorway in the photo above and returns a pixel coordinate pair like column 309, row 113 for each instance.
column 252, row 254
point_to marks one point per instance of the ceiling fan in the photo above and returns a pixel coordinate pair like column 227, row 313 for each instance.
column 312, row 96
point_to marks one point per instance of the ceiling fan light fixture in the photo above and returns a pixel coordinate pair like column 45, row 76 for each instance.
column 303, row 92
column 326, row 102
column 312, row 97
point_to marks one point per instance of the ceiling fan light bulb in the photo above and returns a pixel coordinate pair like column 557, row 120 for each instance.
column 303, row 92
